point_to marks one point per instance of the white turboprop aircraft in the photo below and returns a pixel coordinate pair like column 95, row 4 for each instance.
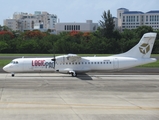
column 73, row 64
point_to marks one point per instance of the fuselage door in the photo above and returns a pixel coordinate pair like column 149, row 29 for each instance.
column 116, row 63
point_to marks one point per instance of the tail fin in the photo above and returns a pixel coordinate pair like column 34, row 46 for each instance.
column 143, row 49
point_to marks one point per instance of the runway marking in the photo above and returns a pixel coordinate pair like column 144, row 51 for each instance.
column 88, row 106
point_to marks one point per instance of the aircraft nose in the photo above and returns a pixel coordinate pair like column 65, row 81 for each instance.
column 5, row 68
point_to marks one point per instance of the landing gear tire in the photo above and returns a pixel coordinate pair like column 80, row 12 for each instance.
column 12, row 75
column 74, row 74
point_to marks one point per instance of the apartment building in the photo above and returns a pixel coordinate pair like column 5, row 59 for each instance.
column 11, row 23
column 133, row 19
column 39, row 20
column 89, row 26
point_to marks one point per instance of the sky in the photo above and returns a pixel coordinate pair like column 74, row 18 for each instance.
column 74, row 10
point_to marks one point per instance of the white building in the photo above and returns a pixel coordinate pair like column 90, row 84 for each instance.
column 151, row 18
column 89, row 26
column 39, row 20
column 133, row 19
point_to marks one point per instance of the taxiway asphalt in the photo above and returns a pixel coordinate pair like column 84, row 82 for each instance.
column 51, row 96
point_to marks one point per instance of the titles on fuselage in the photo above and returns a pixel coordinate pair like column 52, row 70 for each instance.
column 40, row 63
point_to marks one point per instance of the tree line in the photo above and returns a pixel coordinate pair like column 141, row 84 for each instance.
column 105, row 40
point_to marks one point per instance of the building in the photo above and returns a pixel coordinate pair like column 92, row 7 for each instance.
column 11, row 23
column 89, row 26
column 151, row 18
column 115, row 23
column 44, row 21
column 39, row 20
column 133, row 19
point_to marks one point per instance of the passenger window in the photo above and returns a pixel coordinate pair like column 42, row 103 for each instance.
column 16, row 62
column 100, row 62
column 85, row 62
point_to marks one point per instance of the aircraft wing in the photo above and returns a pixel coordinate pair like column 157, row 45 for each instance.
column 73, row 57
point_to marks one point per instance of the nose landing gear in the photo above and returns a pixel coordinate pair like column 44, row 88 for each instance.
column 12, row 74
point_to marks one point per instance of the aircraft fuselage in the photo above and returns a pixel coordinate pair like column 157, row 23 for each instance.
column 84, row 64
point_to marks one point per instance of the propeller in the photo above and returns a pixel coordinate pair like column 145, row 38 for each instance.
column 54, row 59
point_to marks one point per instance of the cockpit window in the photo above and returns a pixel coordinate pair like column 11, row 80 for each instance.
column 14, row 62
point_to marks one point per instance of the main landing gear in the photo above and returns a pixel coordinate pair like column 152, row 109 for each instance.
column 74, row 74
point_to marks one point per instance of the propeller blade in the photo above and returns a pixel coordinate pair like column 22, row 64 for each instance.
column 54, row 59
